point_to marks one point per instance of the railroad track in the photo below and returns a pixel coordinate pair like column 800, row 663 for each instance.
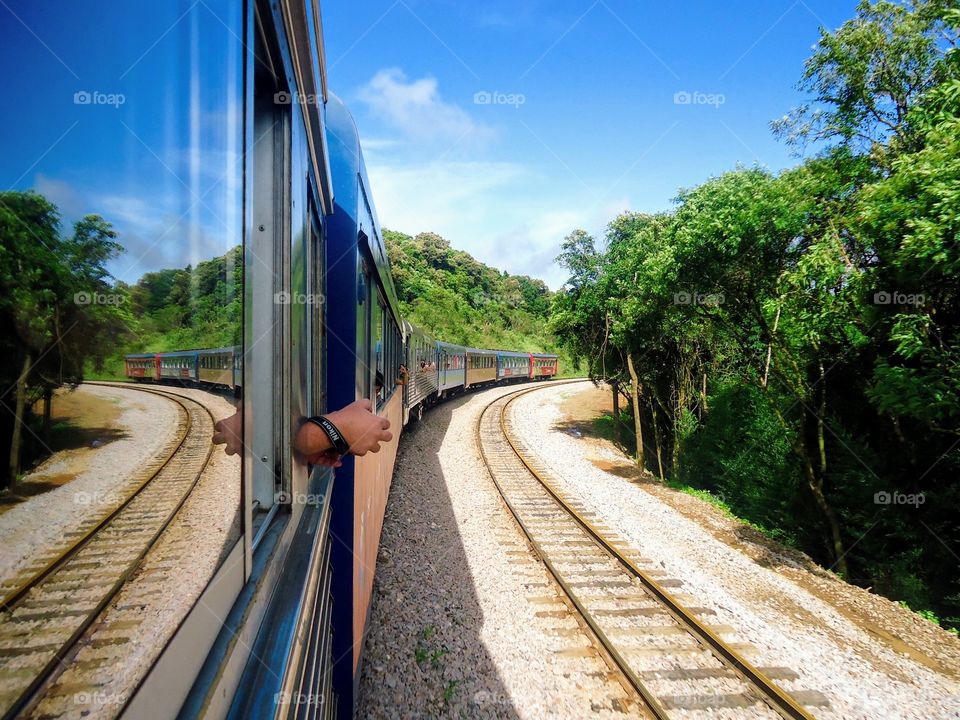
column 47, row 612
column 677, row 665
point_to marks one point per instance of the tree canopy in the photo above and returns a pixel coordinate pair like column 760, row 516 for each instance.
column 790, row 340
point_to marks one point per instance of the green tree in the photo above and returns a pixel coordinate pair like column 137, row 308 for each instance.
column 59, row 311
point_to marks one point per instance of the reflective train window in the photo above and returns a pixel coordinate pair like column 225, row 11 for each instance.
column 378, row 310
column 124, row 160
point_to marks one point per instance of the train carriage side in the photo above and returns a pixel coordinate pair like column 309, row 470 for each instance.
column 215, row 366
column 481, row 367
column 512, row 366
column 422, row 373
column 180, row 366
column 452, row 364
column 141, row 366
column 366, row 355
column 545, row 366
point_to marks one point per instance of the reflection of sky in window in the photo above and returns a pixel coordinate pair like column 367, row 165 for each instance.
column 162, row 162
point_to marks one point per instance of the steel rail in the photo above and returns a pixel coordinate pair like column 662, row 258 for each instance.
column 778, row 700
column 30, row 695
column 605, row 643
column 12, row 598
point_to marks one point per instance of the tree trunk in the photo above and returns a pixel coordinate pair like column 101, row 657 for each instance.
column 47, row 404
column 635, row 399
column 16, row 440
column 657, row 439
column 766, row 368
column 616, row 413
column 833, row 523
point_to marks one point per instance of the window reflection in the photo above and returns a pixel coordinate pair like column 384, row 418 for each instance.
column 122, row 268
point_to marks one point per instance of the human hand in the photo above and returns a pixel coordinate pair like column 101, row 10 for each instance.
column 328, row 458
column 361, row 428
column 230, row 431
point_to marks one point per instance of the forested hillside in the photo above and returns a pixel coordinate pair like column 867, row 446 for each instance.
column 456, row 298
column 791, row 342
column 182, row 308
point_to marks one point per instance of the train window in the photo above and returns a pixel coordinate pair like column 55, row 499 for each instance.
column 364, row 320
column 378, row 309
column 317, row 329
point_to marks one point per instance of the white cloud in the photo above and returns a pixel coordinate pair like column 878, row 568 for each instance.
column 415, row 109
column 504, row 214
column 509, row 215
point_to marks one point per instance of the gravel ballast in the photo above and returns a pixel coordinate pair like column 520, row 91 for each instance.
column 146, row 424
column 134, row 629
column 792, row 613
column 465, row 621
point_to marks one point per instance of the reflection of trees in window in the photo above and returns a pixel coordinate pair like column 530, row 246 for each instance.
column 59, row 312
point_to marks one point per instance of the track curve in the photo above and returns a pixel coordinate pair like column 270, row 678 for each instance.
column 621, row 602
column 48, row 612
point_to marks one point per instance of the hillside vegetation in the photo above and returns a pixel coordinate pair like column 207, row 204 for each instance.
column 458, row 299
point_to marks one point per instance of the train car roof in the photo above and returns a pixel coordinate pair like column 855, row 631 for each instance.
column 544, row 355
column 139, row 356
column 178, row 353
column 512, row 353
column 351, row 192
column 410, row 329
column 228, row 348
column 450, row 346
column 480, row 351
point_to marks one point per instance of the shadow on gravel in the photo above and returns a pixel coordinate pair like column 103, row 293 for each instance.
column 424, row 655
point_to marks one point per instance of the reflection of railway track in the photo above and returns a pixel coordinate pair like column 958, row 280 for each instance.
column 47, row 613
column 676, row 663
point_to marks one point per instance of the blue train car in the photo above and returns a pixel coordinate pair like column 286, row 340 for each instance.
column 364, row 363
column 182, row 365
column 514, row 365
column 452, row 364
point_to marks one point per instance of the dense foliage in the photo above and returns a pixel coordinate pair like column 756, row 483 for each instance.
column 58, row 312
column 458, row 299
column 790, row 341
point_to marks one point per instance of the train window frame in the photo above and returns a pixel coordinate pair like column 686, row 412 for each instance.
column 317, row 320
column 266, row 326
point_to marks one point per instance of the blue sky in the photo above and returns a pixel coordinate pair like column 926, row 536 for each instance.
column 598, row 129
column 135, row 114
column 501, row 125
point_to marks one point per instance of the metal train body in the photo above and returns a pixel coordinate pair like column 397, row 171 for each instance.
column 220, row 367
column 278, row 632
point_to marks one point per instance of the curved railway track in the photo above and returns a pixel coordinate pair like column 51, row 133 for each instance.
column 48, row 610
column 677, row 665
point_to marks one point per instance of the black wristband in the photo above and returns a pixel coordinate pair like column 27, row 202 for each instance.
column 340, row 443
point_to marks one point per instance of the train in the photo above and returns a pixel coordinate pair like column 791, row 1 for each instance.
column 279, row 630
column 435, row 369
